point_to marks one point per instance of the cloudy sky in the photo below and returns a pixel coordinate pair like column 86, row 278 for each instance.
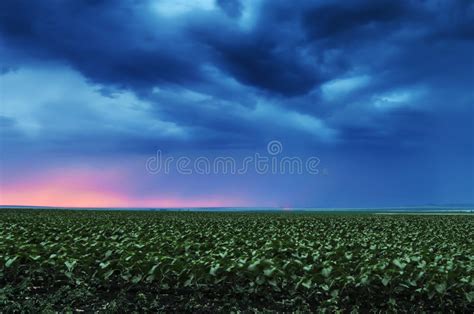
column 380, row 92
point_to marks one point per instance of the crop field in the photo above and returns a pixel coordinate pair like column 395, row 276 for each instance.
column 196, row 261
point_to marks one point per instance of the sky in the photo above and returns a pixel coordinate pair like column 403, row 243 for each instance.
column 378, row 95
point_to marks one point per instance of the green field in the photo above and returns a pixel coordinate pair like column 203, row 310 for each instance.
column 188, row 261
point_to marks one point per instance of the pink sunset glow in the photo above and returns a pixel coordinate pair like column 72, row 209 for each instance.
column 93, row 188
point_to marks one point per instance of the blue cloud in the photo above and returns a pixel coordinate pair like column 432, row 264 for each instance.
column 367, row 77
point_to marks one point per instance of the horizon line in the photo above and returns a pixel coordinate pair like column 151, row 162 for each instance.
column 447, row 206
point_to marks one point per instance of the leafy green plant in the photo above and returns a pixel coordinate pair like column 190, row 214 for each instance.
column 121, row 260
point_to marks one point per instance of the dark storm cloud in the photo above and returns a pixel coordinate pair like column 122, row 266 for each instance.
column 334, row 19
column 108, row 42
column 263, row 63
column 368, row 70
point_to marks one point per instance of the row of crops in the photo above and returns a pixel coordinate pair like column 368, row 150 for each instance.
column 138, row 261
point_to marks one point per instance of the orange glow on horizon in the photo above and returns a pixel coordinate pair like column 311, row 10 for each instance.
column 85, row 188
